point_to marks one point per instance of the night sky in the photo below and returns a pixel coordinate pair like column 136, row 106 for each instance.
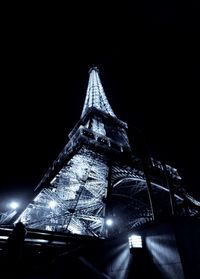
column 148, row 57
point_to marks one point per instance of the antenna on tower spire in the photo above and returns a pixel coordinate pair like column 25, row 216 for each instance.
column 93, row 68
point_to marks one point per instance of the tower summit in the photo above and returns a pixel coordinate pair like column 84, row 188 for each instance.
column 96, row 177
column 95, row 96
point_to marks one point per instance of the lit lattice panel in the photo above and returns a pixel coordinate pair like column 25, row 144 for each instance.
column 74, row 200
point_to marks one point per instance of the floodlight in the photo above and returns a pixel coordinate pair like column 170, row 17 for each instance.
column 14, row 205
column 109, row 222
column 135, row 241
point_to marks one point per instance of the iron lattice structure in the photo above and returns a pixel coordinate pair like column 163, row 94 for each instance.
column 97, row 176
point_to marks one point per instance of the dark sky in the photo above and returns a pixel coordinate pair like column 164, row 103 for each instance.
column 148, row 57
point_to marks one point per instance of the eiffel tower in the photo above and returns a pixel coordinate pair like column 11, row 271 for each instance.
column 97, row 179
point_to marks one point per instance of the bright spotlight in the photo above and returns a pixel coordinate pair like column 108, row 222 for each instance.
column 109, row 222
column 52, row 204
column 14, row 205
column 135, row 241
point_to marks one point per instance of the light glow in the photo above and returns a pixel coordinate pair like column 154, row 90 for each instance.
column 14, row 205
column 109, row 222
column 52, row 204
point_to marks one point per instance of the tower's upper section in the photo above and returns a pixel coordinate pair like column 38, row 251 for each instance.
column 98, row 125
column 95, row 96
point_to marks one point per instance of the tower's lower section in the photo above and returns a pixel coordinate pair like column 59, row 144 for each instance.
column 73, row 202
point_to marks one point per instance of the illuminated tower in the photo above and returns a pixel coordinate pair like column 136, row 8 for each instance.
column 97, row 176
